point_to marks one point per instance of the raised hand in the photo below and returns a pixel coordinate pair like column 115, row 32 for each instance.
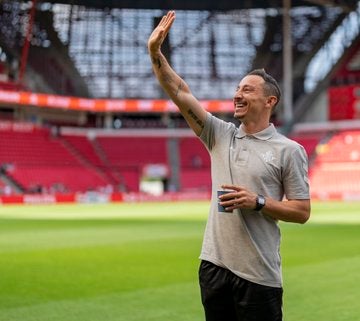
column 160, row 32
column 176, row 88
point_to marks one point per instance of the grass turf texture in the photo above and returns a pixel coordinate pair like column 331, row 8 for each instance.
column 133, row 262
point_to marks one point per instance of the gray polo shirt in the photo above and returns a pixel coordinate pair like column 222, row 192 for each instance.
column 247, row 242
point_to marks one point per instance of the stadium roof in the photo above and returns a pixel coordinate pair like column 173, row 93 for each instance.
column 203, row 4
column 211, row 45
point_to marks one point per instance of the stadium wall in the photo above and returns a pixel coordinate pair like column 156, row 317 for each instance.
column 98, row 198
column 141, row 197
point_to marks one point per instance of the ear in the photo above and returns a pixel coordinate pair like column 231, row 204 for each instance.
column 271, row 101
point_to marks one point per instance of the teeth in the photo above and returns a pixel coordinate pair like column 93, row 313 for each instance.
column 239, row 103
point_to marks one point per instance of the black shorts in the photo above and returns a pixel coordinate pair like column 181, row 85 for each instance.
column 227, row 297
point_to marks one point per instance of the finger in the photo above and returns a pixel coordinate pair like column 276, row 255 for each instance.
column 169, row 20
column 231, row 207
column 162, row 21
column 170, row 15
column 227, row 196
column 165, row 19
column 232, row 187
column 227, row 204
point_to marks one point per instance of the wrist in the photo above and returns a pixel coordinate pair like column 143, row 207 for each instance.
column 154, row 52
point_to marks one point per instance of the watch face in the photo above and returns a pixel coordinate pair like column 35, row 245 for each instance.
column 261, row 200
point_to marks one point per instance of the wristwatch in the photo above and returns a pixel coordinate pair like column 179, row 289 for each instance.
column 260, row 202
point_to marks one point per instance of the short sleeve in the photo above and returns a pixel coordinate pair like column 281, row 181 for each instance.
column 214, row 130
column 295, row 176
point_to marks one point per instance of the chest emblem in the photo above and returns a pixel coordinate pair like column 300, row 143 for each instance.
column 268, row 156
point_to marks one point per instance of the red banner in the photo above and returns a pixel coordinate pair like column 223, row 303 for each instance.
column 140, row 197
column 104, row 105
column 92, row 198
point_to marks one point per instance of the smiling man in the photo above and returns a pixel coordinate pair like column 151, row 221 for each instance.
column 266, row 176
column 256, row 91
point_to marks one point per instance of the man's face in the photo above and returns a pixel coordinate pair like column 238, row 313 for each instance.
column 249, row 99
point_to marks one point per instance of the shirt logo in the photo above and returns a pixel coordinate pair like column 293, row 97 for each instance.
column 268, row 157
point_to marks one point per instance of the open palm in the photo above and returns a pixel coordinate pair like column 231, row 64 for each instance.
column 160, row 32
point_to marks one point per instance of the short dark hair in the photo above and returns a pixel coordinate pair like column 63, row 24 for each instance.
column 271, row 87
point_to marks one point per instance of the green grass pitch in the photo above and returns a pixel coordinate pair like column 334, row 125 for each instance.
column 139, row 262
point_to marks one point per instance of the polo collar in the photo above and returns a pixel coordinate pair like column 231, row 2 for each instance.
column 265, row 134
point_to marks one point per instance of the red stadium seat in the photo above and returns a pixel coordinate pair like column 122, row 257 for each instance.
column 336, row 168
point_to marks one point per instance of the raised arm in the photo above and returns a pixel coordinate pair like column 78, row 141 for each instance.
column 170, row 81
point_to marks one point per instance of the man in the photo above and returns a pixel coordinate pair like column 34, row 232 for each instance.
column 240, row 271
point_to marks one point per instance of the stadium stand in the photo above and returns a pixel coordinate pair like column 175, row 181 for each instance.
column 336, row 169
column 3, row 188
column 309, row 141
column 126, row 156
column 127, row 151
column 222, row 45
column 86, row 148
column 108, row 155
column 39, row 162
column 193, row 154
column 42, row 162
column 195, row 179
column 194, row 165
column 57, row 179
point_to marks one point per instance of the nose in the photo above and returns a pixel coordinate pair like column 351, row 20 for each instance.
column 238, row 95
column 238, row 92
